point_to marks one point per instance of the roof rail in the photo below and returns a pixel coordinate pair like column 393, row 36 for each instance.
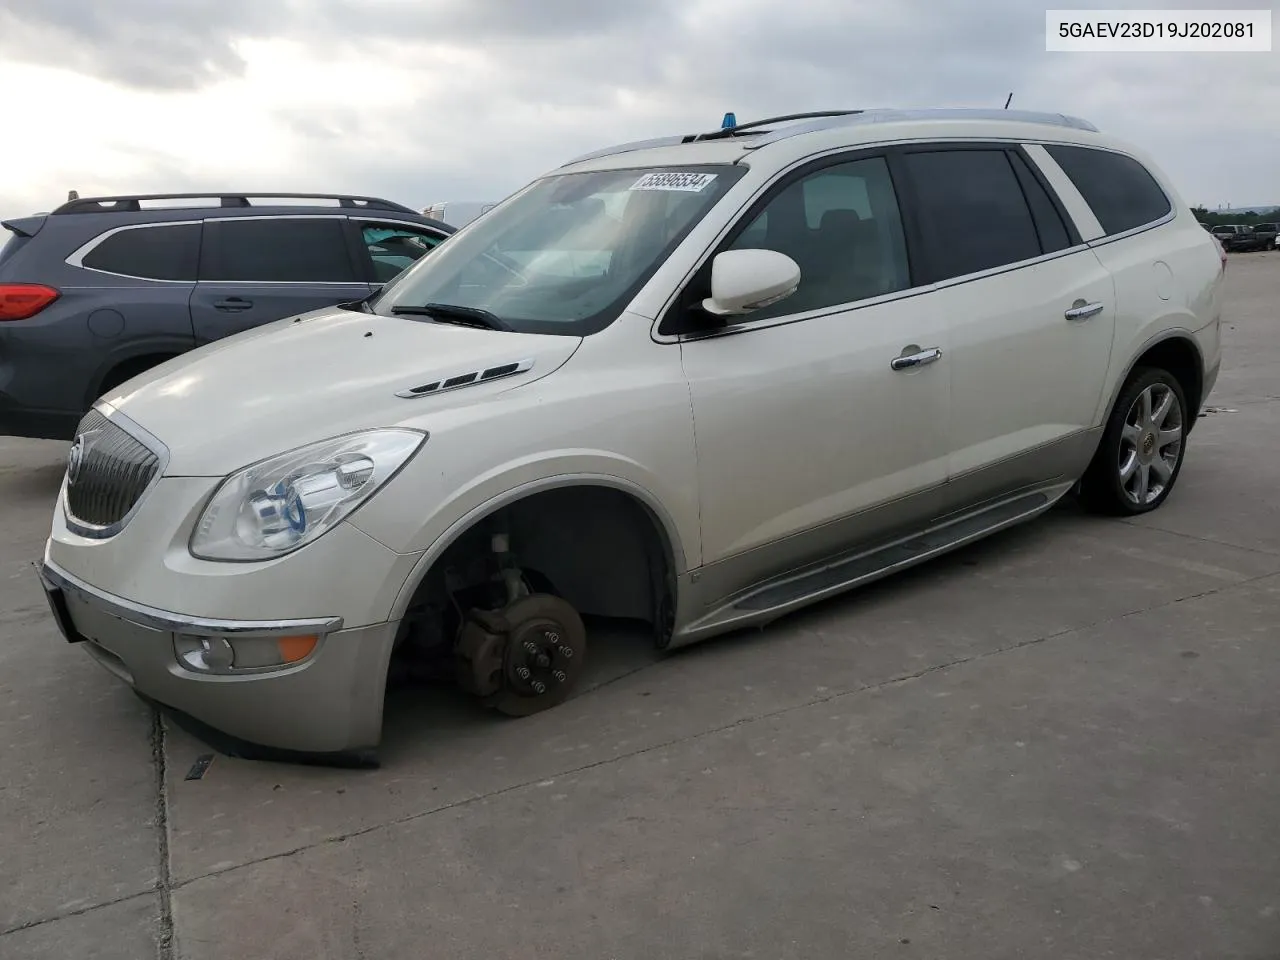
column 722, row 134
column 801, row 123
column 726, row 132
column 883, row 115
column 132, row 203
column 627, row 148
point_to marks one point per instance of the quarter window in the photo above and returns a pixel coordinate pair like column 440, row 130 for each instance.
column 972, row 211
column 162, row 252
column 842, row 226
column 280, row 250
column 1120, row 191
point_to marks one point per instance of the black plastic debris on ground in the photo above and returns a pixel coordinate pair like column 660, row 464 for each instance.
column 199, row 767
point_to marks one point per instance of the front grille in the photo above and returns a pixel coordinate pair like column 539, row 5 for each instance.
column 113, row 472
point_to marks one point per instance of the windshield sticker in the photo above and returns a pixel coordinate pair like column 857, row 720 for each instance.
column 681, row 182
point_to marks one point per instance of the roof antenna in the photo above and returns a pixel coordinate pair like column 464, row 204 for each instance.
column 1008, row 100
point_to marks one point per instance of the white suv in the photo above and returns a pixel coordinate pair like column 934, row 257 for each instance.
column 699, row 382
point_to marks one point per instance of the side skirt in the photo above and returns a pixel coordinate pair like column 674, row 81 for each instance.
column 775, row 598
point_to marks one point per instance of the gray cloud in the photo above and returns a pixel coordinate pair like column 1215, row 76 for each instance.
column 550, row 79
column 151, row 44
column 185, row 44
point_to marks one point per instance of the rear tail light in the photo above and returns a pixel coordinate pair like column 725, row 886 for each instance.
column 18, row 301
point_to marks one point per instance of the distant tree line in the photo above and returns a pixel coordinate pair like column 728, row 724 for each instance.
column 1215, row 218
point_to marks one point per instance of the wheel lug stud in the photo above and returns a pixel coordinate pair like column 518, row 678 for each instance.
column 523, row 673
column 566, row 652
column 560, row 676
column 530, row 646
column 539, row 687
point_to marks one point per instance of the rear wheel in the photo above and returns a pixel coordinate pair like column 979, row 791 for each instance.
column 1142, row 447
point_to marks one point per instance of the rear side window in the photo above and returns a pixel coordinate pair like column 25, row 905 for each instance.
column 972, row 211
column 162, row 252
column 1120, row 191
column 1049, row 224
column 279, row 250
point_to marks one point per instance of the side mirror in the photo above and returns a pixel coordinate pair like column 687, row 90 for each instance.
column 747, row 280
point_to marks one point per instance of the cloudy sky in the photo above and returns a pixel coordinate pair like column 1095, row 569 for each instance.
column 423, row 100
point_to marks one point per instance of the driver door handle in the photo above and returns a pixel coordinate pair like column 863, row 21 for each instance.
column 909, row 360
column 232, row 304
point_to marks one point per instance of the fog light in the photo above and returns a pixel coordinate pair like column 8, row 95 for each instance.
column 206, row 654
column 239, row 654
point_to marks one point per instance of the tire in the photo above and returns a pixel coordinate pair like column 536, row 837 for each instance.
column 1136, row 445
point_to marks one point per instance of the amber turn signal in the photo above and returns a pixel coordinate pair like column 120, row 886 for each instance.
column 293, row 649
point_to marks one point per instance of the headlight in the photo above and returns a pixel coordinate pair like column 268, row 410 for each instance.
column 281, row 504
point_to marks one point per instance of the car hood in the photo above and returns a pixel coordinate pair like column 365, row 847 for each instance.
column 298, row 380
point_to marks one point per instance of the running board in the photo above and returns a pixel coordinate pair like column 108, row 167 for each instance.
column 773, row 599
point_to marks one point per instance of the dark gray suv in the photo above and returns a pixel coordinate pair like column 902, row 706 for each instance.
column 102, row 289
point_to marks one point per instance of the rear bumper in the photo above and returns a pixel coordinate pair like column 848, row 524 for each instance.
column 325, row 708
column 17, row 420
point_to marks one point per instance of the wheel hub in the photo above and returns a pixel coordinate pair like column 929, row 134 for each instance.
column 524, row 658
column 538, row 657
column 1148, row 445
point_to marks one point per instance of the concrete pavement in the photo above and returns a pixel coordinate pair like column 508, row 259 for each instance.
column 1060, row 742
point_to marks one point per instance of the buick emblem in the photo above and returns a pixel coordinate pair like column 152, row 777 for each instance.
column 75, row 460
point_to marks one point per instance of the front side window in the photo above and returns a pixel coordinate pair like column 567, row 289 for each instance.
column 161, row 252
column 1120, row 191
column 393, row 247
column 841, row 225
column 972, row 211
column 277, row 250
column 566, row 254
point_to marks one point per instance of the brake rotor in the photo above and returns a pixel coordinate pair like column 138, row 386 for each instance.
column 546, row 645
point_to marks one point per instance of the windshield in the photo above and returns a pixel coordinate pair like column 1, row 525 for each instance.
column 567, row 253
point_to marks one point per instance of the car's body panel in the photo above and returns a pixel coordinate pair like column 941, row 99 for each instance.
column 636, row 428
column 1022, row 375
column 327, row 704
column 843, row 431
column 279, row 369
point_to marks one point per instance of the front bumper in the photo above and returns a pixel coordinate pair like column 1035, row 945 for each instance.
column 326, row 707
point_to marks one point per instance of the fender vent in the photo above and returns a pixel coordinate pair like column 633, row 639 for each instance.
column 466, row 379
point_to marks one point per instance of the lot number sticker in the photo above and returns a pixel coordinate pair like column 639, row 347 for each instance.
column 681, row 182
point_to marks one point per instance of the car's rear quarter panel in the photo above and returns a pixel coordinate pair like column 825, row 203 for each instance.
column 1168, row 283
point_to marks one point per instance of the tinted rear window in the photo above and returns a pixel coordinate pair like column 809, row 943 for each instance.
column 972, row 211
column 1049, row 222
column 161, row 252
column 1119, row 190
column 281, row 250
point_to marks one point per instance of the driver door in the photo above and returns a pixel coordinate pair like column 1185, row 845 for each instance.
column 809, row 441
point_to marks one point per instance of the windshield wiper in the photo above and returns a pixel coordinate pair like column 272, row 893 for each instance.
column 451, row 313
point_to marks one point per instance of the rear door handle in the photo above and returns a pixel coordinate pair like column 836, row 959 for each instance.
column 233, row 303
column 1084, row 311
column 918, row 359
